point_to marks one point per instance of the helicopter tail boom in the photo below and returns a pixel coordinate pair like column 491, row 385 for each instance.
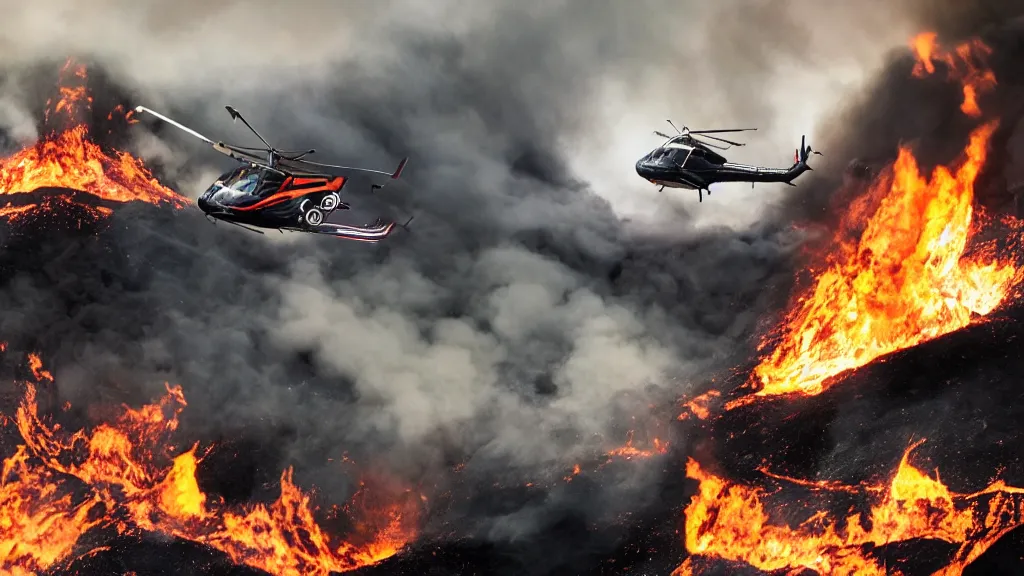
column 733, row 172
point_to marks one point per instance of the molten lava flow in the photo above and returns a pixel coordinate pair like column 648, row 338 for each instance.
column 965, row 64
column 68, row 158
column 135, row 483
column 727, row 521
column 904, row 281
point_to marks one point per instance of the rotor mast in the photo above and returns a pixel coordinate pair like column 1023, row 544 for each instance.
column 273, row 154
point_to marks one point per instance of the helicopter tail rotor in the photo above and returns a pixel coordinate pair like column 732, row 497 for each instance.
column 803, row 153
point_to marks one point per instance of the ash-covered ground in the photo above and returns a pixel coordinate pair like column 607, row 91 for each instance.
column 522, row 327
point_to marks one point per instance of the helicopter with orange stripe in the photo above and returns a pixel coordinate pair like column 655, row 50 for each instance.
column 281, row 190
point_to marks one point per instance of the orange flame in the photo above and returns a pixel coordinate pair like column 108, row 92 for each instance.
column 905, row 281
column 629, row 451
column 699, row 405
column 728, row 521
column 36, row 364
column 70, row 159
column 965, row 64
column 138, row 485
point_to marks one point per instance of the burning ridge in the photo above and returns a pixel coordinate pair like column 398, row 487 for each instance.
column 729, row 521
column 905, row 266
column 67, row 159
column 124, row 475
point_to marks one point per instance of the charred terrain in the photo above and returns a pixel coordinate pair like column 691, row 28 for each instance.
column 184, row 398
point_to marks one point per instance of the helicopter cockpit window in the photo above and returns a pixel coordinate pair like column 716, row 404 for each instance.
column 679, row 156
column 243, row 180
column 247, row 183
column 270, row 183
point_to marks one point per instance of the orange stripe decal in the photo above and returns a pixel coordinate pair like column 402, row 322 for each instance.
column 285, row 195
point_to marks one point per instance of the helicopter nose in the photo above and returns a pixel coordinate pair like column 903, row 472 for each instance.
column 642, row 170
column 204, row 203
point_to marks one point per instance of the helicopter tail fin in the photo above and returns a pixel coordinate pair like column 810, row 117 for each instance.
column 398, row 171
column 804, row 152
column 800, row 157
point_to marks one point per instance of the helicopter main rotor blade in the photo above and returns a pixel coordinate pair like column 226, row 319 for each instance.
column 713, row 145
column 721, row 140
column 670, row 123
column 236, row 115
column 663, row 135
column 174, row 123
column 722, row 131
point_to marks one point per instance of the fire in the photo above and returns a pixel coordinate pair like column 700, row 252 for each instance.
column 135, row 483
column 728, row 521
column 35, row 363
column 629, row 451
column 906, row 280
column 69, row 158
column 38, row 525
column 699, row 405
column 965, row 64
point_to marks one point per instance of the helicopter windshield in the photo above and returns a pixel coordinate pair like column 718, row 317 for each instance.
column 243, row 180
column 249, row 181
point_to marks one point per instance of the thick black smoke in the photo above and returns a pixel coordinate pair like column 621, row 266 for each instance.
column 520, row 327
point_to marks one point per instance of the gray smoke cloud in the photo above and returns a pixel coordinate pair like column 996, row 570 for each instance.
column 523, row 324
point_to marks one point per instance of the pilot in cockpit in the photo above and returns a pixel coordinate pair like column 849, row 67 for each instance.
column 246, row 182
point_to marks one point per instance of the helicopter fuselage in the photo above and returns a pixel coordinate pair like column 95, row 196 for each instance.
column 695, row 167
column 266, row 198
column 283, row 192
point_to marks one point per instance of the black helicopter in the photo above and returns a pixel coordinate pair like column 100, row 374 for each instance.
column 685, row 161
column 280, row 190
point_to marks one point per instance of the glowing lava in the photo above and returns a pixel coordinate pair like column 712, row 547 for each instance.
column 727, row 521
column 69, row 158
column 135, row 483
column 965, row 64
